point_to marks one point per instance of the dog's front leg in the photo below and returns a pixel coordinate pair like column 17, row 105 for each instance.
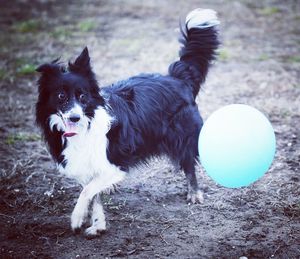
column 97, row 185
column 98, row 223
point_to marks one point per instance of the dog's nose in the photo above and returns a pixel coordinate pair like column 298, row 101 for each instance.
column 74, row 117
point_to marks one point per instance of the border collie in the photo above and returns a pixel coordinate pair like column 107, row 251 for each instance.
column 96, row 134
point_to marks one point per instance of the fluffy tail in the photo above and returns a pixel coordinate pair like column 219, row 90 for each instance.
column 200, row 41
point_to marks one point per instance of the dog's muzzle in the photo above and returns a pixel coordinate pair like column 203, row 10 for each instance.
column 72, row 126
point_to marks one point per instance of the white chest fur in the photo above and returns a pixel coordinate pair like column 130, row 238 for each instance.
column 86, row 152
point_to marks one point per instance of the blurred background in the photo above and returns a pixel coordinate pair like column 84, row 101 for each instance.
column 258, row 64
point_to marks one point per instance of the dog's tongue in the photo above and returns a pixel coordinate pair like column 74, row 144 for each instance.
column 70, row 130
column 69, row 134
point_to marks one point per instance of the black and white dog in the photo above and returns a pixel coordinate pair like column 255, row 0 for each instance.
column 96, row 134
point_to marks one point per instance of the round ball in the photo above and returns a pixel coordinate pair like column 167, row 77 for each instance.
column 236, row 145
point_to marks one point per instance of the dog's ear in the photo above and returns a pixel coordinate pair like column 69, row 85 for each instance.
column 83, row 59
column 52, row 68
column 82, row 63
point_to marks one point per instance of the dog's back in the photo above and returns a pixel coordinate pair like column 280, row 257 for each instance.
column 153, row 115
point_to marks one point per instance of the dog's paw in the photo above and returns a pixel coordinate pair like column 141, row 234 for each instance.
column 195, row 196
column 77, row 219
column 95, row 230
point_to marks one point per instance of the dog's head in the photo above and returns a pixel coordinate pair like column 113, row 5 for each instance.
column 67, row 97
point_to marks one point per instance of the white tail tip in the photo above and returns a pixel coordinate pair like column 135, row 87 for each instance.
column 201, row 18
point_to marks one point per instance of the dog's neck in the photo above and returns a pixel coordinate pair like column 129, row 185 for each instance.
column 85, row 154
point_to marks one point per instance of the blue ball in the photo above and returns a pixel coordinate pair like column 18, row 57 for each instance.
column 236, row 145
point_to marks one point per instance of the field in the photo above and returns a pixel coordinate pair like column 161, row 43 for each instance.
column 148, row 217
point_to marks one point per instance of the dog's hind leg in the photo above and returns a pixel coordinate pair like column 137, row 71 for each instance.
column 194, row 195
column 98, row 223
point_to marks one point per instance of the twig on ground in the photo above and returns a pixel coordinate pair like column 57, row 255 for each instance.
column 160, row 234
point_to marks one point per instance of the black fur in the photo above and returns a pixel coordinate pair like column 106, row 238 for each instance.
column 54, row 80
column 153, row 114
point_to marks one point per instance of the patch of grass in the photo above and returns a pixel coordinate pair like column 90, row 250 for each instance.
column 130, row 46
column 21, row 137
column 263, row 57
column 61, row 32
column 223, row 55
column 285, row 113
column 268, row 11
column 87, row 25
column 27, row 26
column 24, row 66
column 2, row 74
column 293, row 59
column 18, row 62
column 26, row 69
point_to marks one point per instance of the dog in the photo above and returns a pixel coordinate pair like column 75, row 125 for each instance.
column 95, row 135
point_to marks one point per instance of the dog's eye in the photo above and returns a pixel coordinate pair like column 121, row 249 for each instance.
column 61, row 96
column 82, row 98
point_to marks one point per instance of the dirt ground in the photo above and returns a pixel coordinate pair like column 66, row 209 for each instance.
column 258, row 64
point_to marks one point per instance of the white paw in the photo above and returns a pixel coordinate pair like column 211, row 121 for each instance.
column 195, row 196
column 77, row 218
column 94, row 230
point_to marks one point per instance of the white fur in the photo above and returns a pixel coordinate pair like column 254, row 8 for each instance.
column 86, row 152
column 88, row 164
column 98, row 223
column 97, row 185
column 201, row 18
column 60, row 119
column 55, row 120
column 76, row 109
